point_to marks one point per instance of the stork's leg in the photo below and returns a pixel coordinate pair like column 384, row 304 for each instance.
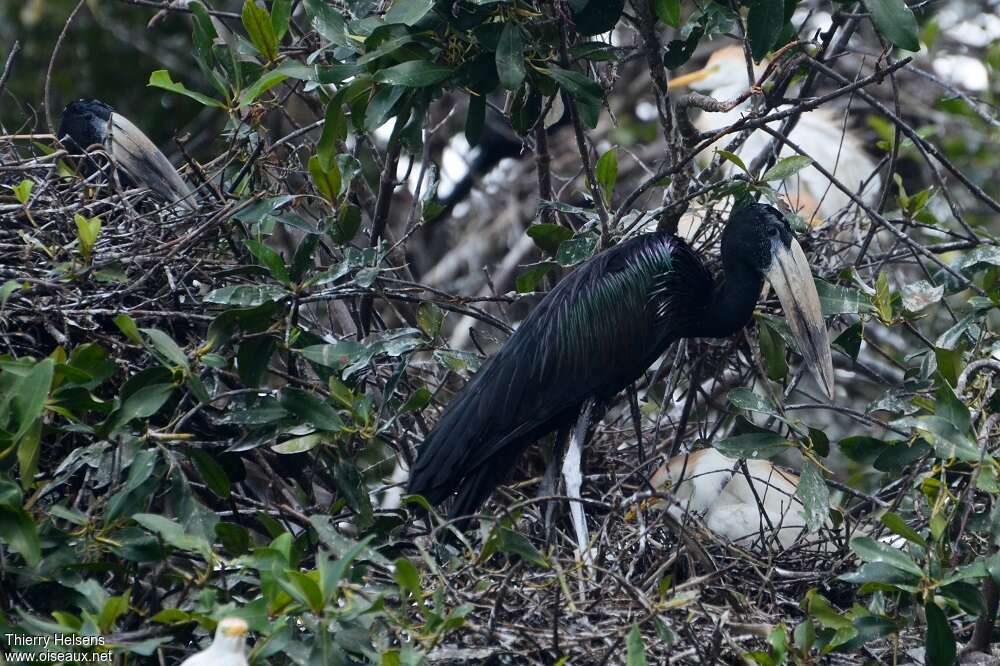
column 550, row 482
column 573, row 474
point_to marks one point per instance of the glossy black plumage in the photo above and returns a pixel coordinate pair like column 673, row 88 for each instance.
column 85, row 123
column 595, row 333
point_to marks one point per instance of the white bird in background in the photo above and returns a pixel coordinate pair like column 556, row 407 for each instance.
column 714, row 487
column 228, row 648
column 822, row 134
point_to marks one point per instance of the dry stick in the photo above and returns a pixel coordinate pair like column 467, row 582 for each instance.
column 171, row 7
column 579, row 134
column 543, row 162
column 52, row 61
column 9, row 65
column 386, row 185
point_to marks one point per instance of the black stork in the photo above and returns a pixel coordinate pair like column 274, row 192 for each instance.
column 89, row 122
column 598, row 330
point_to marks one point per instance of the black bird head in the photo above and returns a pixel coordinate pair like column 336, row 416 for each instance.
column 85, row 123
column 759, row 235
column 88, row 122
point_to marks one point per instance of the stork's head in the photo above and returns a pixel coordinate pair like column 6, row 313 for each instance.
column 759, row 236
column 724, row 74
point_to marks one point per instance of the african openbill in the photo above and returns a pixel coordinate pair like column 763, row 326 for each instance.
column 598, row 330
column 89, row 122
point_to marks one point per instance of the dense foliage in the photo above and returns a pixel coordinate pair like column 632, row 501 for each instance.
column 201, row 414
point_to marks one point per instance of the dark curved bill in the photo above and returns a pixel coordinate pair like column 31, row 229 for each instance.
column 143, row 161
column 792, row 281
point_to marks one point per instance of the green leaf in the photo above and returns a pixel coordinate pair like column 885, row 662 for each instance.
column 87, row 231
column 947, row 440
column 281, row 11
column 772, row 347
column 735, row 159
column 940, row 647
column 527, row 281
column 416, row 402
column 786, row 167
column 325, row 179
column 815, row 496
column 161, row 79
column 18, row 531
column 594, row 17
column 834, row 299
column 870, row 550
column 311, row 409
column 30, row 393
column 430, row 318
column 299, row 444
column 850, row 340
column 581, row 87
column 167, row 348
column 515, row 544
column 257, row 23
column 327, row 21
column 174, row 534
column 211, row 472
column 246, row 295
column 575, row 251
column 548, row 237
column 883, row 297
column 407, row 576
column 606, row 172
column 635, row 650
column 669, row 11
column 408, row 12
column 753, row 445
column 895, row 21
column 413, row 74
column 510, row 57
column 264, row 82
column 765, row 20
column 744, row 398
column 8, row 288
column 270, row 258
column 880, row 573
column 898, row 526
column 143, row 403
column 22, row 191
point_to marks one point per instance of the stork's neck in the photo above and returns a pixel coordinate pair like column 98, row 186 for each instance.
column 733, row 301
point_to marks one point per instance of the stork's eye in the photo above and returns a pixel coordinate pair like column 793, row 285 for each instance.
column 772, row 232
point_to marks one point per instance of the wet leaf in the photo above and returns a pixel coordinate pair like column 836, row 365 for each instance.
column 895, row 21
column 669, row 11
column 786, row 167
column 161, row 79
column 870, row 550
column 635, row 650
column 940, row 646
column 764, row 23
column 510, row 57
column 815, row 496
column 753, row 445
column 413, row 74
column 606, row 172
column 918, row 295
